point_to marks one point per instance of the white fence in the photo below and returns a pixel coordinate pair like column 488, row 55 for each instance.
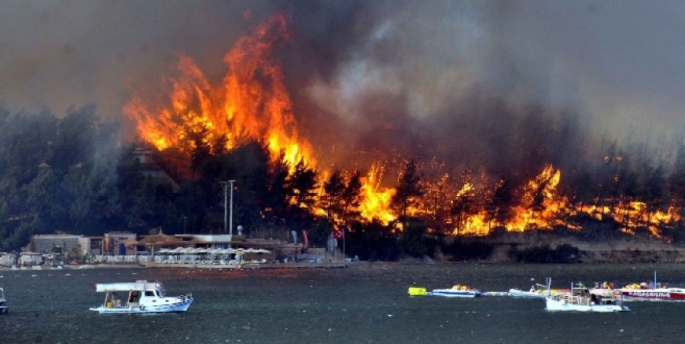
column 130, row 259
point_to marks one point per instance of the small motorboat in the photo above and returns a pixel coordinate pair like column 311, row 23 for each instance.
column 458, row 290
column 139, row 297
column 530, row 294
column 3, row 302
column 538, row 291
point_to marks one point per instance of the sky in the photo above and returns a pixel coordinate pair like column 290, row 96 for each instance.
column 395, row 74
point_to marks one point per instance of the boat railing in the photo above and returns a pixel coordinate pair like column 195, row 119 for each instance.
column 574, row 299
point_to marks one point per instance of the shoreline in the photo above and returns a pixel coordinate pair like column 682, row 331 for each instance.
column 619, row 251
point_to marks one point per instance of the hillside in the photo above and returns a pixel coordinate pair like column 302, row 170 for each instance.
column 620, row 249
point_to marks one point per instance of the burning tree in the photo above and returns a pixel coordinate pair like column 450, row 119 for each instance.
column 253, row 104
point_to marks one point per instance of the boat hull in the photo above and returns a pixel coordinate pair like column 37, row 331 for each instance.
column 537, row 294
column 563, row 305
column 526, row 294
column 663, row 294
column 455, row 293
column 166, row 308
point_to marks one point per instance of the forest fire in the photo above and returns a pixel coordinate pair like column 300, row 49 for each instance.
column 253, row 103
column 376, row 200
column 541, row 209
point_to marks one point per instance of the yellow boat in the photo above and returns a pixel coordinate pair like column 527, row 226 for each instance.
column 417, row 291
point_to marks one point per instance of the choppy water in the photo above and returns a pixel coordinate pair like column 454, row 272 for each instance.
column 366, row 303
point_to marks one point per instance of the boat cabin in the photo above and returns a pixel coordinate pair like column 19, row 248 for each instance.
column 131, row 294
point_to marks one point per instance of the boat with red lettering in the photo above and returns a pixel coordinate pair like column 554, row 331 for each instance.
column 652, row 292
column 645, row 291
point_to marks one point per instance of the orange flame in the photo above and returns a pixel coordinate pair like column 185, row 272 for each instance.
column 541, row 208
column 376, row 200
column 254, row 103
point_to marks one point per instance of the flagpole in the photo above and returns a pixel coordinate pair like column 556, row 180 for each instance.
column 344, row 235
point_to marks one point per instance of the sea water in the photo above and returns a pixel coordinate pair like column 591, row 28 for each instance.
column 364, row 303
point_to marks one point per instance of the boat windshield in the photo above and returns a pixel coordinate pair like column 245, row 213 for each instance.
column 160, row 293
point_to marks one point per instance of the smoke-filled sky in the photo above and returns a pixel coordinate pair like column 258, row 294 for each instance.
column 454, row 77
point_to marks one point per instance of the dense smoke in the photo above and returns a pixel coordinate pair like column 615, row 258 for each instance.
column 473, row 84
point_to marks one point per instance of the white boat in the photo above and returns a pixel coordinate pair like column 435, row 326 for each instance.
column 536, row 291
column 3, row 302
column 456, row 291
column 581, row 300
column 139, row 297
column 529, row 294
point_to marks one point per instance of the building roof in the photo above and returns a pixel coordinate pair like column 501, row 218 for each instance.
column 160, row 239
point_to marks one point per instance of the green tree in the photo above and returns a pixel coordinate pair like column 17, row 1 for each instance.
column 500, row 204
column 279, row 190
column 408, row 189
column 352, row 197
column 248, row 165
column 74, row 142
column 334, row 189
column 302, row 185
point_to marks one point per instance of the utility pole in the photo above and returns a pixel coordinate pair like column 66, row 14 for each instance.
column 226, row 207
column 230, row 219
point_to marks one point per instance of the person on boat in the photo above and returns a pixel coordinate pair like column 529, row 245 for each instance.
column 594, row 299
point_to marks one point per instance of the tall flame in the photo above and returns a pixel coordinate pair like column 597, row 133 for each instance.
column 376, row 200
column 251, row 104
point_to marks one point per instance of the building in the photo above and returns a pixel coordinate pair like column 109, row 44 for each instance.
column 30, row 259
column 115, row 243
column 56, row 243
column 207, row 240
column 8, row 259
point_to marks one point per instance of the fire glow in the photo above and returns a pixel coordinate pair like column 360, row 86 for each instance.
column 252, row 103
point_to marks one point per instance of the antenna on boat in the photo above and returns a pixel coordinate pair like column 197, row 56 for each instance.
column 548, row 281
